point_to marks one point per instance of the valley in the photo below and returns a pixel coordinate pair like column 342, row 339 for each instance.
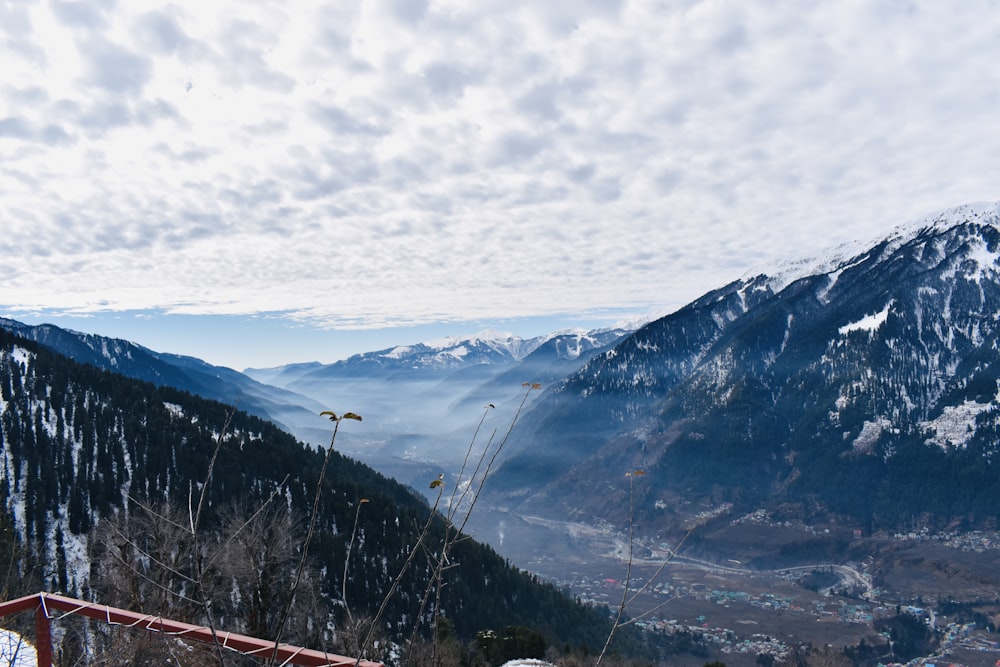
column 748, row 585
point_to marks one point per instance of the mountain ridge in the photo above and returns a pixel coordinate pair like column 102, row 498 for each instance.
column 167, row 369
column 749, row 396
column 449, row 352
column 784, row 273
column 911, row 308
column 425, row 398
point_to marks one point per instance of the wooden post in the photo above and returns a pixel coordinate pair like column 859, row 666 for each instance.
column 43, row 637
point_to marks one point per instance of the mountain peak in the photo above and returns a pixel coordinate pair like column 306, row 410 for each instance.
column 487, row 336
column 839, row 257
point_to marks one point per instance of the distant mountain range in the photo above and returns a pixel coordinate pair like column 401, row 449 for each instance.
column 422, row 401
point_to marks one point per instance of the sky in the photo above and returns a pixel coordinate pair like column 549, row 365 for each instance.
column 259, row 183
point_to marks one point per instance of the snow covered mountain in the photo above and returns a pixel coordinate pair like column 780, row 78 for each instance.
column 486, row 348
column 863, row 383
column 421, row 401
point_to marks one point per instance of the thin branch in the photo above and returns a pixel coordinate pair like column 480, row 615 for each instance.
column 199, row 569
column 659, row 570
column 452, row 507
column 161, row 517
column 647, row 613
column 287, row 606
column 140, row 574
column 196, row 520
column 628, row 576
column 347, row 558
column 453, row 534
column 399, row 577
column 626, row 600
column 530, row 386
column 150, row 556
column 238, row 531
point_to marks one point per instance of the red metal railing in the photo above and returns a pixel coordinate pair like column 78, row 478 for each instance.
column 44, row 603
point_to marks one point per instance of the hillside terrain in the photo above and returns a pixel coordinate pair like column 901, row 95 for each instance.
column 83, row 449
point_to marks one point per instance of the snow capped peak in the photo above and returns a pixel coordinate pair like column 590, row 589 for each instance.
column 451, row 350
column 636, row 322
column 980, row 212
column 490, row 346
column 502, row 342
column 570, row 331
column 843, row 256
column 787, row 272
column 398, row 352
column 494, row 335
column 487, row 336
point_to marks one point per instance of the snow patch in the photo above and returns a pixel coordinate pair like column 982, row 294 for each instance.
column 21, row 356
column 174, row 409
column 830, row 264
column 870, row 433
column 398, row 352
column 986, row 261
column 954, row 427
column 869, row 323
column 458, row 352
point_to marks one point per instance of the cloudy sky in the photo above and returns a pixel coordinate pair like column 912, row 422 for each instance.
column 265, row 182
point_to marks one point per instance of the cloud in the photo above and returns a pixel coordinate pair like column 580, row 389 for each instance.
column 516, row 147
column 85, row 15
column 408, row 11
column 163, row 34
column 243, row 50
column 339, row 122
column 115, row 69
column 25, row 130
column 16, row 128
column 104, row 115
column 446, row 79
column 15, row 20
column 470, row 160
column 29, row 95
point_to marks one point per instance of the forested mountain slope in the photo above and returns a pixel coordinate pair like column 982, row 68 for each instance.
column 864, row 384
column 81, row 447
column 285, row 408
